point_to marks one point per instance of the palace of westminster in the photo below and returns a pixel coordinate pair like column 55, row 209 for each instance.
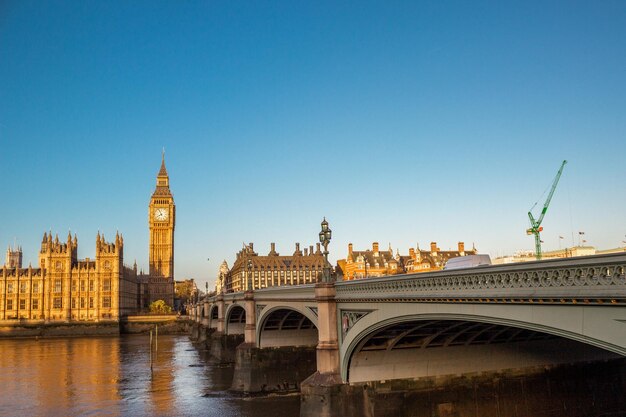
column 65, row 288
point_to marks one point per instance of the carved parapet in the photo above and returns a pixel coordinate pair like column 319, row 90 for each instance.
column 596, row 279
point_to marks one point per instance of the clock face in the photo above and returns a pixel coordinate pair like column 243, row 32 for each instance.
column 160, row 214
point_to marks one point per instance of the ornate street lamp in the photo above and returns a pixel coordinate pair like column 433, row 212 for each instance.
column 249, row 283
column 325, row 236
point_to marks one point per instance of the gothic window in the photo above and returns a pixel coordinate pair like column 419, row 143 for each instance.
column 73, row 302
column 82, row 285
column 22, row 287
column 91, row 285
column 58, row 265
column 57, row 286
column 35, row 304
column 35, row 287
column 90, row 302
column 22, row 304
column 106, row 285
column 106, row 302
column 74, row 285
column 9, row 304
column 82, row 302
column 10, row 288
column 57, row 302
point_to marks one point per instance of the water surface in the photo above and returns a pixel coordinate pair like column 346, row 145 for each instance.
column 111, row 376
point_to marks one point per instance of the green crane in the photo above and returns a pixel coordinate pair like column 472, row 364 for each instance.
column 535, row 225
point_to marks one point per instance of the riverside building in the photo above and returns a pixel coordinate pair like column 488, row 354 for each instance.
column 65, row 288
column 254, row 271
column 377, row 263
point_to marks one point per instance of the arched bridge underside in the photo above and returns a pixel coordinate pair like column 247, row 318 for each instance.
column 236, row 319
column 422, row 348
column 286, row 327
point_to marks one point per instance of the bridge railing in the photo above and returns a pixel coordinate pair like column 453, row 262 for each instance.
column 305, row 292
column 590, row 279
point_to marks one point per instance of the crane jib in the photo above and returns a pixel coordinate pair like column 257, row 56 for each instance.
column 535, row 224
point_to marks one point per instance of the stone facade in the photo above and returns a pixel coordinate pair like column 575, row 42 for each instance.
column 376, row 263
column 14, row 257
column 64, row 288
column 255, row 271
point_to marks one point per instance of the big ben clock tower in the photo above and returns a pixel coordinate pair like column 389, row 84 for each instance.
column 162, row 218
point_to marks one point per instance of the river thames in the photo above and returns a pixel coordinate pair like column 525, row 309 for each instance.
column 111, row 376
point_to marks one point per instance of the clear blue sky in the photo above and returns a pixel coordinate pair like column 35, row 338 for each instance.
column 400, row 122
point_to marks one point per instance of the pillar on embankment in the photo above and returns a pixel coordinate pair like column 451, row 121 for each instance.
column 324, row 394
column 199, row 312
column 205, row 313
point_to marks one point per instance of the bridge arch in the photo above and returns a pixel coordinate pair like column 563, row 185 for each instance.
column 235, row 319
column 398, row 347
column 279, row 326
column 213, row 316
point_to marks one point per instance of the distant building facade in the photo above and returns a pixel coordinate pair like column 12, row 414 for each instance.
column 184, row 291
column 64, row 288
column 571, row 252
column 221, row 277
column 254, row 271
column 376, row 263
column 369, row 263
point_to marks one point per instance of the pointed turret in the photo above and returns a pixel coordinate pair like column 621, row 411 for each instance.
column 162, row 171
column 163, row 181
column 45, row 237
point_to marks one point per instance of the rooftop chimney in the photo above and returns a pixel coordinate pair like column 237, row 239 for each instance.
column 433, row 247
column 412, row 253
column 375, row 248
column 350, row 249
column 461, row 248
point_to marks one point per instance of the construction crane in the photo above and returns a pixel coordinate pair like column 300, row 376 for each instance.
column 535, row 225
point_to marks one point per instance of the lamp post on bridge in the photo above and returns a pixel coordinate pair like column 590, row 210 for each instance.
column 327, row 378
column 325, row 236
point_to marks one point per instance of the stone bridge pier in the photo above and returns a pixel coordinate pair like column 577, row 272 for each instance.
column 324, row 394
column 279, row 362
column 222, row 344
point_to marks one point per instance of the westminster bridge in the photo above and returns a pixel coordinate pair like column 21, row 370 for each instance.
column 414, row 327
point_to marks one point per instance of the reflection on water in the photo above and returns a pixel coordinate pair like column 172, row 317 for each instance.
column 111, row 376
